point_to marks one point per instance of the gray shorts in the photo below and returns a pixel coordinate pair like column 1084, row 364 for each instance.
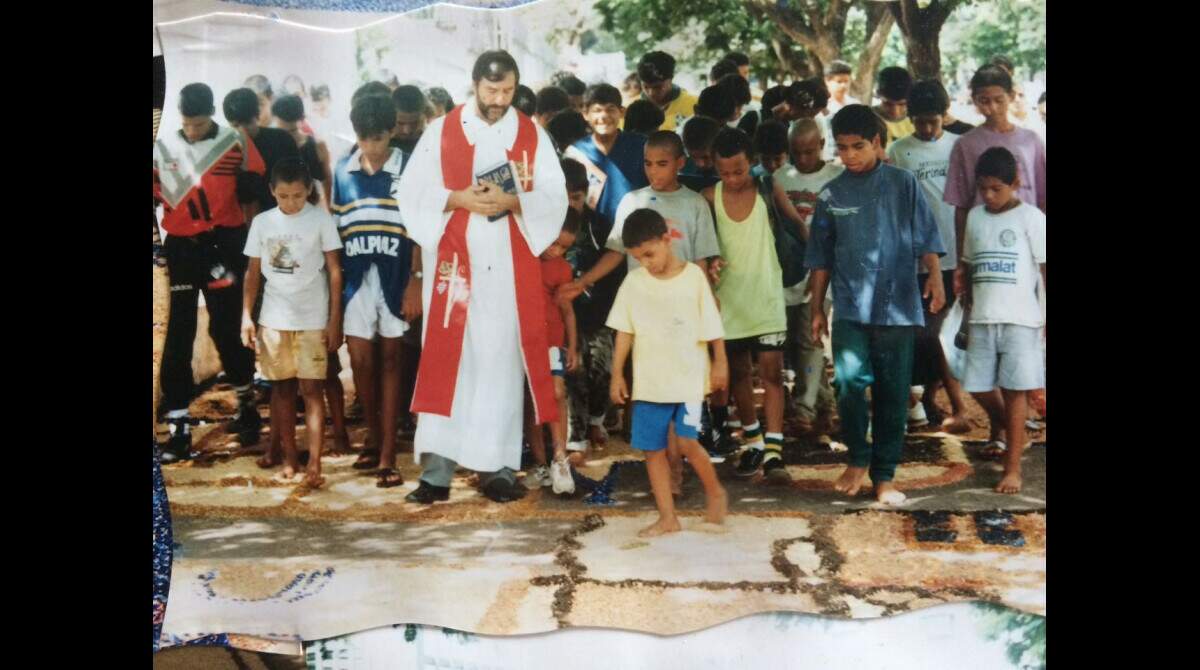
column 1004, row 355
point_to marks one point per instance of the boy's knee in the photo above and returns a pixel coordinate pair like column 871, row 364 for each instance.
column 770, row 368
column 312, row 387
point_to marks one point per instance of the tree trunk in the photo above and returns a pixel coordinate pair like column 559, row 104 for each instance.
column 791, row 63
column 922, row 29
column 820, row 33
column 879, row 26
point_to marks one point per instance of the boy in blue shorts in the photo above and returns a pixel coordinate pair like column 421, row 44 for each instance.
column 870, row 228
column 666, row 313
column 1004, row 252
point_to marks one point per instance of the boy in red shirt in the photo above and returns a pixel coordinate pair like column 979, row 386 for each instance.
column 560, row 330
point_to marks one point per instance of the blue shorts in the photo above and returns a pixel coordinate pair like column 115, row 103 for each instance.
column 652, row 420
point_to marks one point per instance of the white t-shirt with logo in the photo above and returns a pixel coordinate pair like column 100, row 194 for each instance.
column 292, row 249
column 930, row 161
column 1003, row 252
column 802, row 190
column 689, row 222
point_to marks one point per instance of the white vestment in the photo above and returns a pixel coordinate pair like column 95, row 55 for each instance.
column 483, row 432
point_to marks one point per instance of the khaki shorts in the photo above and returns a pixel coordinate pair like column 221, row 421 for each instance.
column 292, row 354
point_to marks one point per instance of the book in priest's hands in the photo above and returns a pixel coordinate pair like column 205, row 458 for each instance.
column 506, row 176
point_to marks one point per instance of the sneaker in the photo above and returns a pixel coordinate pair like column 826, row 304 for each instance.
column 179, row 445
column 750, row 462
column 724, row 444
column 539, row 477
column 247, row 424
column 560, row 476
column 916, row 416
column 774, row 469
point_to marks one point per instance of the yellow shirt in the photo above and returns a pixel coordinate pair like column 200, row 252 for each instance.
column 680, row 108
column 897, row 129
column 671, row 320
column 751, row 286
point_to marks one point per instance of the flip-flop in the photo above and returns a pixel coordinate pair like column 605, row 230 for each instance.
column 368, row 460
column 994, row 450
column 388, row 478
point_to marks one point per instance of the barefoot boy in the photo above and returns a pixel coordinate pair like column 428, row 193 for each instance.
column 1003, row 253
column 666, row 313
column 870, row 227
column 301, row 317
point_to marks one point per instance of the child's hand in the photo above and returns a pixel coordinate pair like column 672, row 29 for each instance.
column 569, row 291
column 933, row 287
column 410, row 306
column 572, row 359
column 960, row 281
column 719, row 378
column 819, row 327
column 249, row 339
column 715, row 266
column 617, row 391
column 333, row 337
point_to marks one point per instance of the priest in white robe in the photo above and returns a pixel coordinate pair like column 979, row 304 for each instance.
column 470, row 410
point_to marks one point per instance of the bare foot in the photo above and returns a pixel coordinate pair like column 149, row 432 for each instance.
column 956, row 424
column 288, row 474
column 340, row 446
column 597, row 435
column 850, row 481
column 660, row 527
column 312, row 474
column 268, row 461
column 1011, row 483
column 888, row 494
column 717, row 507
column 576, row 458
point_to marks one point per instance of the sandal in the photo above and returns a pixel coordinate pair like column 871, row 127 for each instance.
column 368, row 459
column 994, row 450
column 388, row 477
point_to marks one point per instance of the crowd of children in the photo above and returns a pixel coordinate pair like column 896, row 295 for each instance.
column 716, row 241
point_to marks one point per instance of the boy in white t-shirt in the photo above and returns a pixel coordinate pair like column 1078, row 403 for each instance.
column 796, row 187
column 1004, row 251
column 926, row 154
column 665, row 312
column 295, row 246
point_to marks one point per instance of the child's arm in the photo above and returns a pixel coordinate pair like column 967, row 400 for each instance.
column 960, row 234
column 249, row 294
column 818, row 280
column 607, row 263
column 618, row 392
column 333, row 329
column 720, row 366
column 568, row 315
column 784, row 204
column 933, row 285
column 410, row 308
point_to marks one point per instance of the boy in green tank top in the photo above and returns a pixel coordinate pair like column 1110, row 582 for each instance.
column 749, row 288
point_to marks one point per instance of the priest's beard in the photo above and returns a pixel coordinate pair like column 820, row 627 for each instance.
column 491, row 113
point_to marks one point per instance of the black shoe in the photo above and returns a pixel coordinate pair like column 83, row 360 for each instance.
column 427, row 494
column 503, row 490
column 247, row 425
column 749, row 463
column 724, row 444
column 178, row 447
column 774, row 470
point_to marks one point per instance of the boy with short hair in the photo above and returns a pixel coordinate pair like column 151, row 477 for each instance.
column 666, row 314
column 697, row 172
column 892, row 87
column 613, row 158
column 377, row 258
column 564, row 358
column 587, row 391
column 796, row 187
column 550, row 101
column 410, row 117
column 926, row 153
column 771, row 146
column 837, row 80
column 656, row 71
column 642, row 117
column 1005, row 252
column 301, row 317
column 871, row 227
column 749, row 285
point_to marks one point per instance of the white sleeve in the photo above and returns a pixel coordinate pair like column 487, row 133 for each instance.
column 423, row 194
column 1035, row 228
column 543, row 209
column 253, row 248
column 330, row 240
column 705, row 243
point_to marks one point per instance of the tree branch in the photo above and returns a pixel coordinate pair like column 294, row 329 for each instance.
column 792, row 25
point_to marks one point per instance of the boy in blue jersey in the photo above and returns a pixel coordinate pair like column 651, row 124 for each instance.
column 377, row 259
column 613, row 158
column 870, row 228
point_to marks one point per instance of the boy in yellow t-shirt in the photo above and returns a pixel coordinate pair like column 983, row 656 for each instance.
column 666, row 313
column 656, row 71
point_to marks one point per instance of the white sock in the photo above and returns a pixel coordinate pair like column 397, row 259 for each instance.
column 755, row 441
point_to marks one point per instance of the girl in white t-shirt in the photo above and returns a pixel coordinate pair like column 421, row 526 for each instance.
column 1004, row 251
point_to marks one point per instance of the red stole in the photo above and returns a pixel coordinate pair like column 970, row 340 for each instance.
column 446, row 320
